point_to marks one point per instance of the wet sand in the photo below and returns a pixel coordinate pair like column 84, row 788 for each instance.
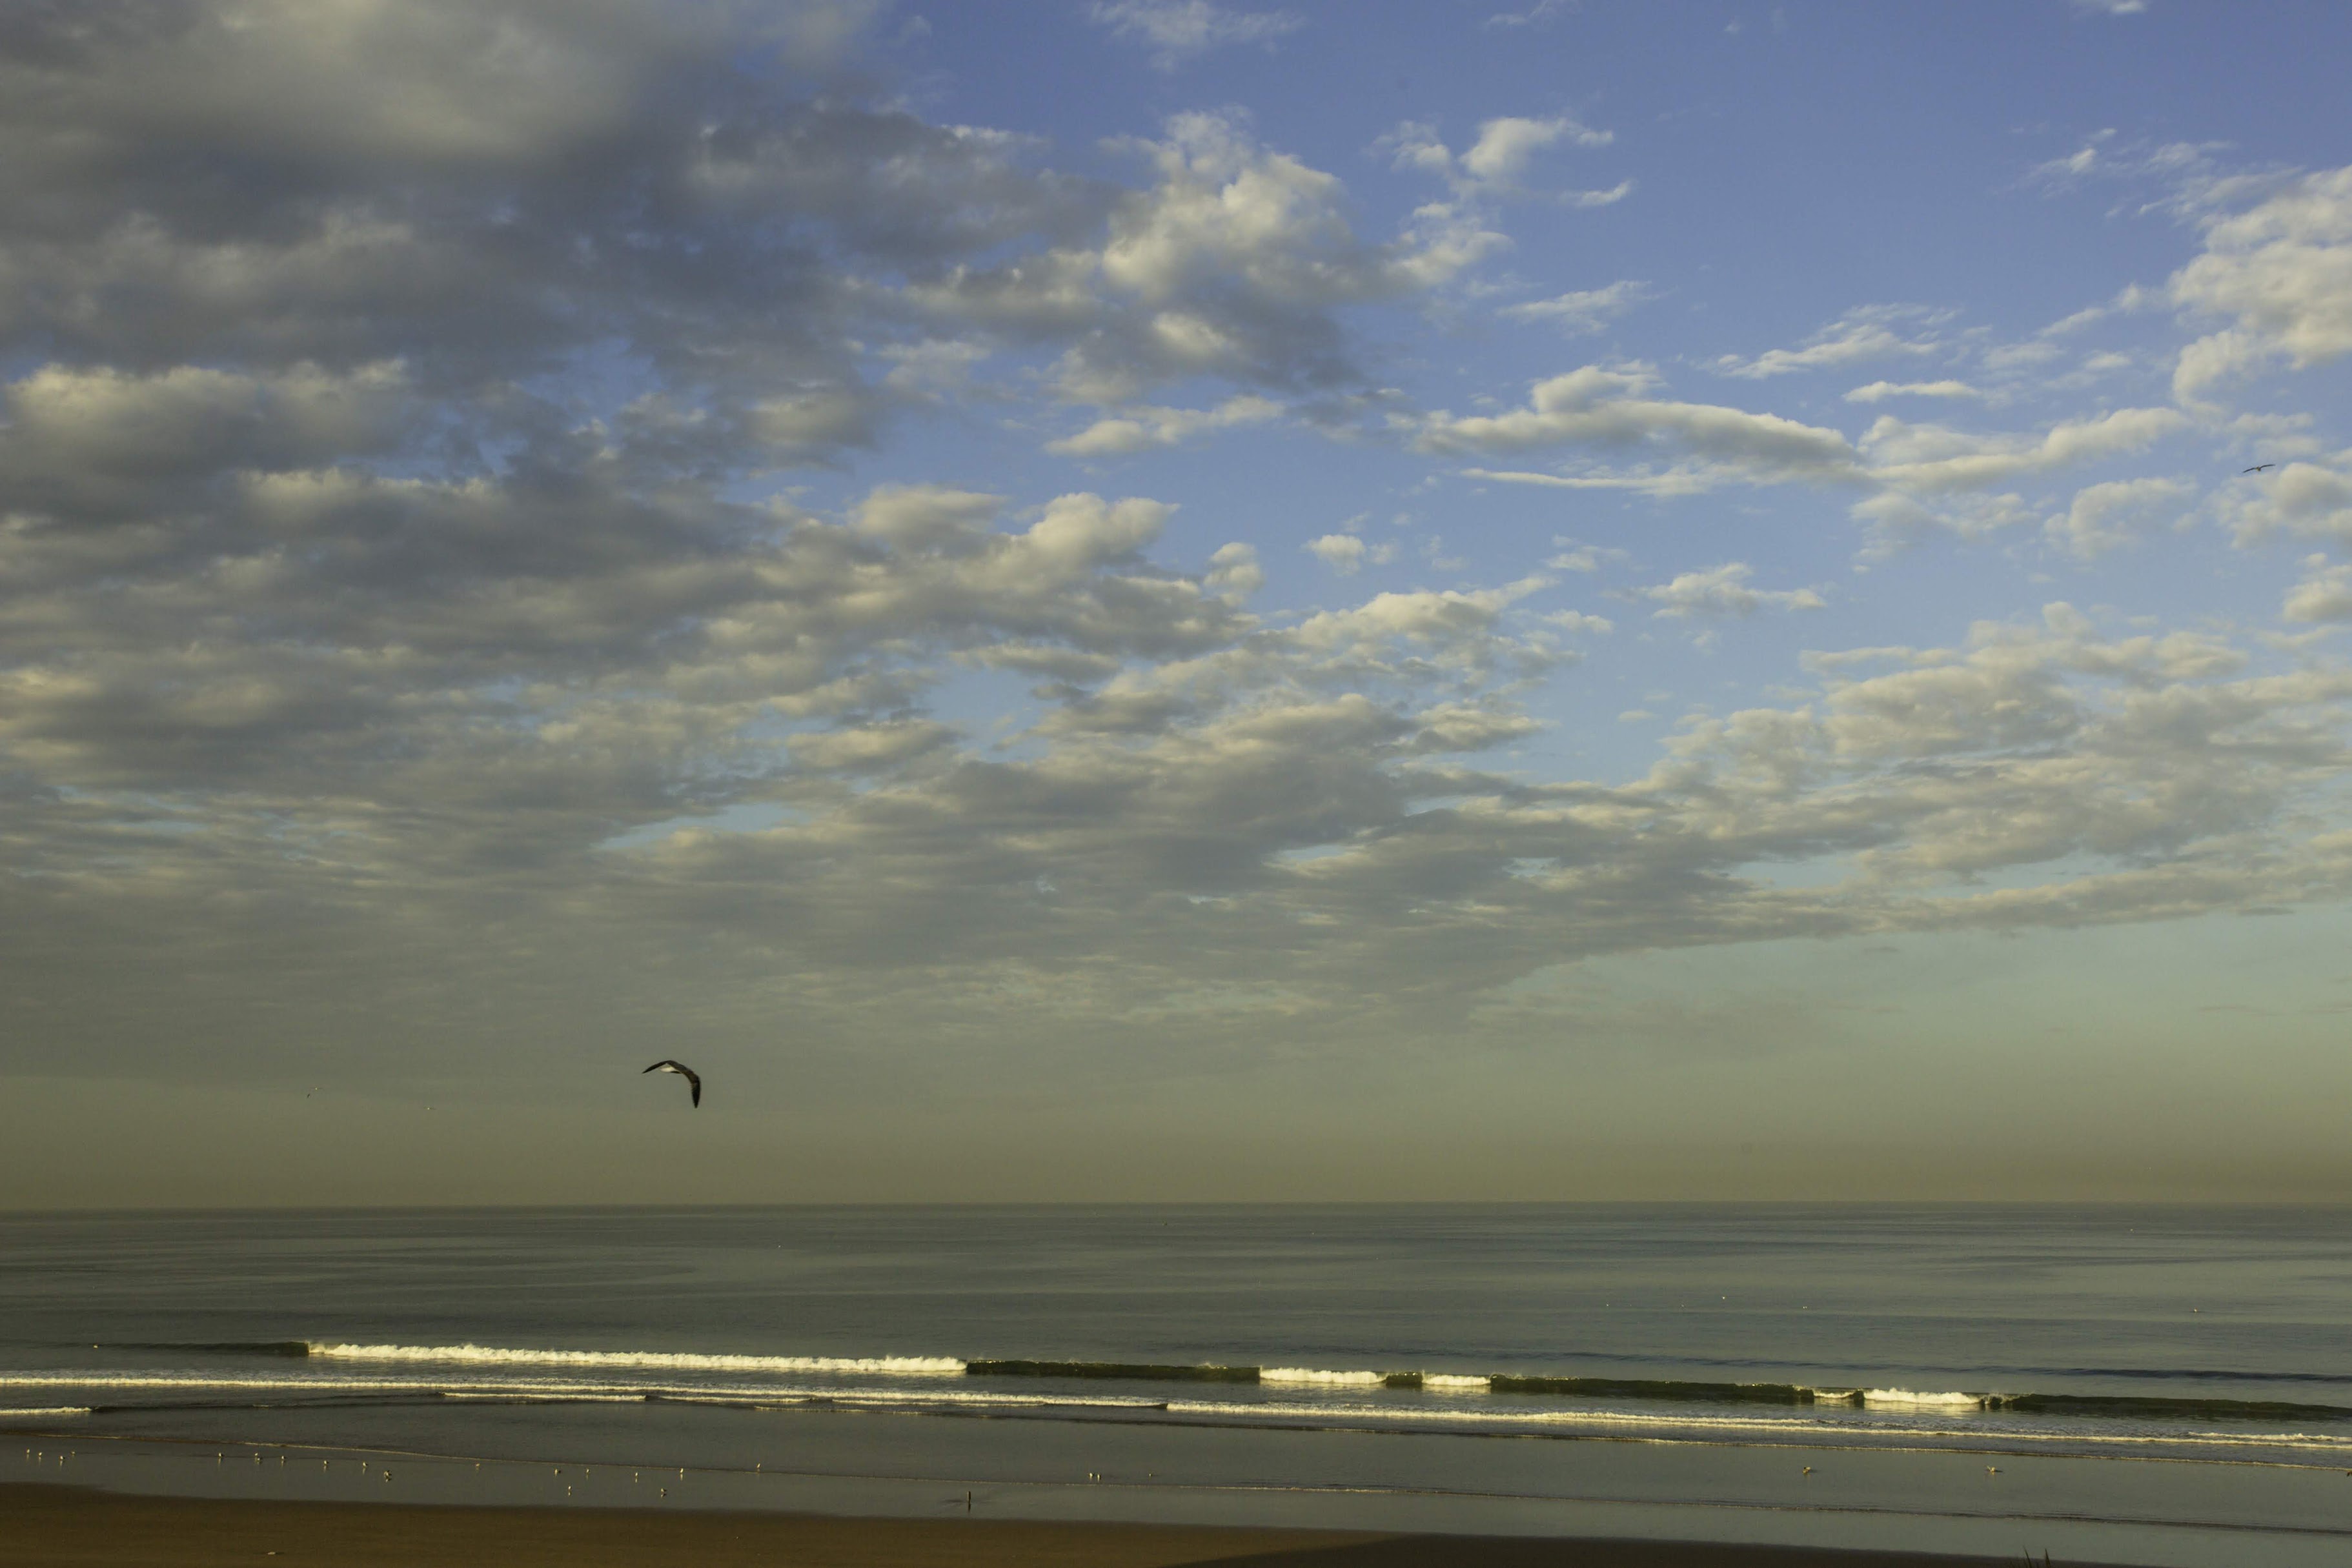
column 73, row 1527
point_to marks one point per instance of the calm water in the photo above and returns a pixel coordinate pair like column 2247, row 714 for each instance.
column 2127, row 1348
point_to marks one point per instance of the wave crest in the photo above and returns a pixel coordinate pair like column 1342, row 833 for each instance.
column 680, row 1360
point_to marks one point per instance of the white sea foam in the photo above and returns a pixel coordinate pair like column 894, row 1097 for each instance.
column 571, row 1390
column 1485, row 1419
column 677, row 1361
column 1907, row 1399
column 1738, row 1428
column 1454, row 1383
column 177, row 1380
column 549, row 1397
column 1327, row 1379
column 1843, row 1422
column 1836, row 1396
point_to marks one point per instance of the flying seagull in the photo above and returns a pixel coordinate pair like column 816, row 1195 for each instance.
column 693, row 1078
column 2257, row 468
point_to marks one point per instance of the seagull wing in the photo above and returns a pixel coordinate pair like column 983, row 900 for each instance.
column 693, row 1078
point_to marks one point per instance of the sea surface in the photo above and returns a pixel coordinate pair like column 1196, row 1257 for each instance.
column 2157, row 1385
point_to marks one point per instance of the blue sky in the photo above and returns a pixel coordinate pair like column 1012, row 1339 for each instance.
column 1162, row 599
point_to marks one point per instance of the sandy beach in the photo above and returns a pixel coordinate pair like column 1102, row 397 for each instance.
column 73, row 1527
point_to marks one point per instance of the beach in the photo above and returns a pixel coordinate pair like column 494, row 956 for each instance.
column 74, row 1527
column 1976, row 1382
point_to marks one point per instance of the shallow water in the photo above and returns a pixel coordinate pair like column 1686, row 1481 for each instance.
column 2077, row 1352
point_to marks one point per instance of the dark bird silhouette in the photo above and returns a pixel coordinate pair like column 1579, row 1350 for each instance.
column 2257, row 468
column 693, row 1078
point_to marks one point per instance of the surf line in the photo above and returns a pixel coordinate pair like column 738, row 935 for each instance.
column 1668, row 1391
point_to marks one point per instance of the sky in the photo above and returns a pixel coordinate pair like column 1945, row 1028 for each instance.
column 1174, row 599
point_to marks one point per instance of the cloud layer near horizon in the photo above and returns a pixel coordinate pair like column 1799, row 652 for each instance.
column 414, row 633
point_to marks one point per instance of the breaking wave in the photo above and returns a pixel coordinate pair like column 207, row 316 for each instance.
column 1906, row 1399
column 479, row 1371
column 677, row 1361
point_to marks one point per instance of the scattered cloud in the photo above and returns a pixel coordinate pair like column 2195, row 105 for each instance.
column 2281, row 273
column 1605, row 407
column 2108, row 516
column 1936, row 458
column 2324, row 594
column 1347, row 553
column 1179, row 31
column 1586, row 310
column 1232, row 264
column 1869, row 333
column 1497, row 164
column 1578, row 623
column 1879, row 392
column 1576, row 556
column 1505, row 146
column 2310, row 500
column 1139, row 430
column 1535, row 15
column 1920, row 478
column 1724, row 590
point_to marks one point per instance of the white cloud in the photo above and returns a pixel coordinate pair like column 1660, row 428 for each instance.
column 2303, row 500
column 1585, row 310
column 2016, row 357
column 69, row 426
column 1577, row 622
column 1935, row 458
column 1506, row 145
column 1347, row 553
column 1894, row 518
column 2281, row 271
column 1542, row 11
column 1724, row 590
column 1234, row 573
column 1879, row 392
column 2130, row 299
column 1923, row 478
column 1139, row 430
column 1603, row 407
column 2324, row 594
column 1577, row 557
column 1230, row 265
column 1182, row 30
column 2105, row 516
column 870, row 749
column 926, row 517
column 1868, row 333
column 932, row 367
column 1497, row 164
column 1601, row 198
column 815, row 420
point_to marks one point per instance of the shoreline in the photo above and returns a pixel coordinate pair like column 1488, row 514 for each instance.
column 53, row 1525
column 1884, row 1512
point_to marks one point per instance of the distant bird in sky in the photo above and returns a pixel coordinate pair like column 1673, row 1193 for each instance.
column 693, row 1078
column 2257, row 468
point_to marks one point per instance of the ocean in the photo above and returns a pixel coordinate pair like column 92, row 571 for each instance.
column 2117, row 1383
